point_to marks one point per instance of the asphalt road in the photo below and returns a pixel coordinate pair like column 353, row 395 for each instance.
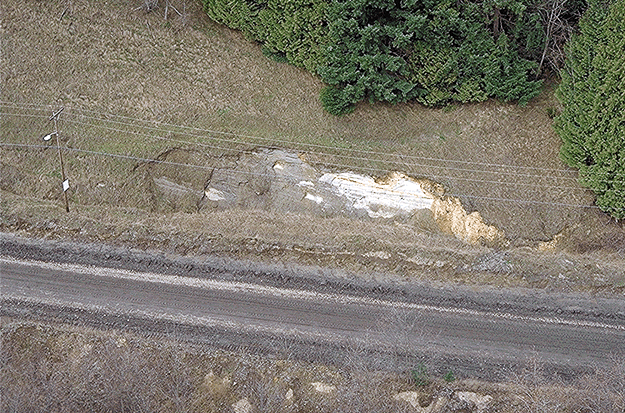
column 467, row 336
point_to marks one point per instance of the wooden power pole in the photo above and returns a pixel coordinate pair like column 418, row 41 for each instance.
column 55, row 117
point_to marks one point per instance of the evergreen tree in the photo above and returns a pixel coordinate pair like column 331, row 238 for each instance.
column 432, row 51
column 507, row 77
column 290, row 30
column 592, row 123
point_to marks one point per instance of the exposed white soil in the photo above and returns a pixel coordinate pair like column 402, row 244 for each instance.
column 281, row 180
column 381, row 199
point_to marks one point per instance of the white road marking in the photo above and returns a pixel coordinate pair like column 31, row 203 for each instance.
column 204, row 321
column 292, row 293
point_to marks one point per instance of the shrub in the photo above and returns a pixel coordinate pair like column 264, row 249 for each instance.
column 420, row 375
column 449, row 377
column 431, row 51
column 336, row 101
column 293, row 29
column 592, row 92
column 274, row 55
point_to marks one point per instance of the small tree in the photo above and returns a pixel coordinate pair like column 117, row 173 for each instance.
column 592, row 124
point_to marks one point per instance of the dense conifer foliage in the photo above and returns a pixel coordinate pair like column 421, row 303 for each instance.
column 592, row 124
column 432, row 51
column 294, row 29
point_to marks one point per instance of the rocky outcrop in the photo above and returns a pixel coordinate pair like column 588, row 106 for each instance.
column 324, row 388
column 452, row 218
column 282, row 181
column 242, row 406
column 447, row 402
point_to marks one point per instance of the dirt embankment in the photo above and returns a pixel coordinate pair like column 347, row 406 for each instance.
column 272, row 205
column 283, row 181
column 206, row 187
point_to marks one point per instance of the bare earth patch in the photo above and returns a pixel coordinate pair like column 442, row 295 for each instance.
column 158, row 110
column 83, row 370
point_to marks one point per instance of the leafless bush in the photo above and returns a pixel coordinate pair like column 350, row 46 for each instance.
column 98, row 376
column 600, row 392
column 148, row 5
column 604, row 391
column 47, row 370
column 267, row 396
column 365, row 391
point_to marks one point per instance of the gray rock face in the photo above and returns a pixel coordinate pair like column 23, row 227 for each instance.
column 281, row 181
column 273, row 180
column 495, row 262
column 454, row 401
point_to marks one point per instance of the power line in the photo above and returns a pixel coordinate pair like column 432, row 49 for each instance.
column 522, row 201
column 273, row 140
column 398, row 162
column 113, row 155
column 403, row 162
column 156, row 161
column 40, row 106
column 477, row 171
column 443, row 177
column 30, row 116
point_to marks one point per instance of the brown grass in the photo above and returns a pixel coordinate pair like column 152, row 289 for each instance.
column 387, row 251
column 119, row 59
column 110, row 57
column 58, row 368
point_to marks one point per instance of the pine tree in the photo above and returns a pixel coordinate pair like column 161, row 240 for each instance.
column 431, row 51
column 507, row 76
column 592, row 123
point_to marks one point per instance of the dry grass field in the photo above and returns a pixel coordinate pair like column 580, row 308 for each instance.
column 85, row 370
column 185, row 90
column 143, row 85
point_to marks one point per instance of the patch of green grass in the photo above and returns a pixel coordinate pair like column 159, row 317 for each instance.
column 449, row 376
column 420, row 375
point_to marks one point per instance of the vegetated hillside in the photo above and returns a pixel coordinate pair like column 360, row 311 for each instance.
column 70, row 369
column 593, row 94
column 433, row 51
column 500, row 159
column 99, row 58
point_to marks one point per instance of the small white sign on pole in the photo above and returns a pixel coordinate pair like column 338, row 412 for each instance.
column 65, row 185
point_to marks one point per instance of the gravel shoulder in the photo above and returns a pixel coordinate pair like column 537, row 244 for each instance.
column 520, row 301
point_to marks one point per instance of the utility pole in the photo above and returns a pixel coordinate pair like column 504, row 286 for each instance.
column 55, row 117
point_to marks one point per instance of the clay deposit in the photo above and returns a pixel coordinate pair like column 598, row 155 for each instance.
column 280, row 180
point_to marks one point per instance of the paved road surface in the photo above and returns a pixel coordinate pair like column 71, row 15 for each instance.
column 467, row 336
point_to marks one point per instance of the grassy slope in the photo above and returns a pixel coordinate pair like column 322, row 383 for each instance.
column 84, row 370
column 109, row 57
column 114, row 58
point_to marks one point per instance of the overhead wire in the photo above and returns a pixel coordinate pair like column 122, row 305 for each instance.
column 276, row 140
column 443, row 177
column 250, row 173
column 24, row 104
column 30, row 116
column 402, row 162
column 113, row 155
column 369, row 152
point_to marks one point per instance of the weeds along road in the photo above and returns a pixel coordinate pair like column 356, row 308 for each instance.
column 326, row 327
